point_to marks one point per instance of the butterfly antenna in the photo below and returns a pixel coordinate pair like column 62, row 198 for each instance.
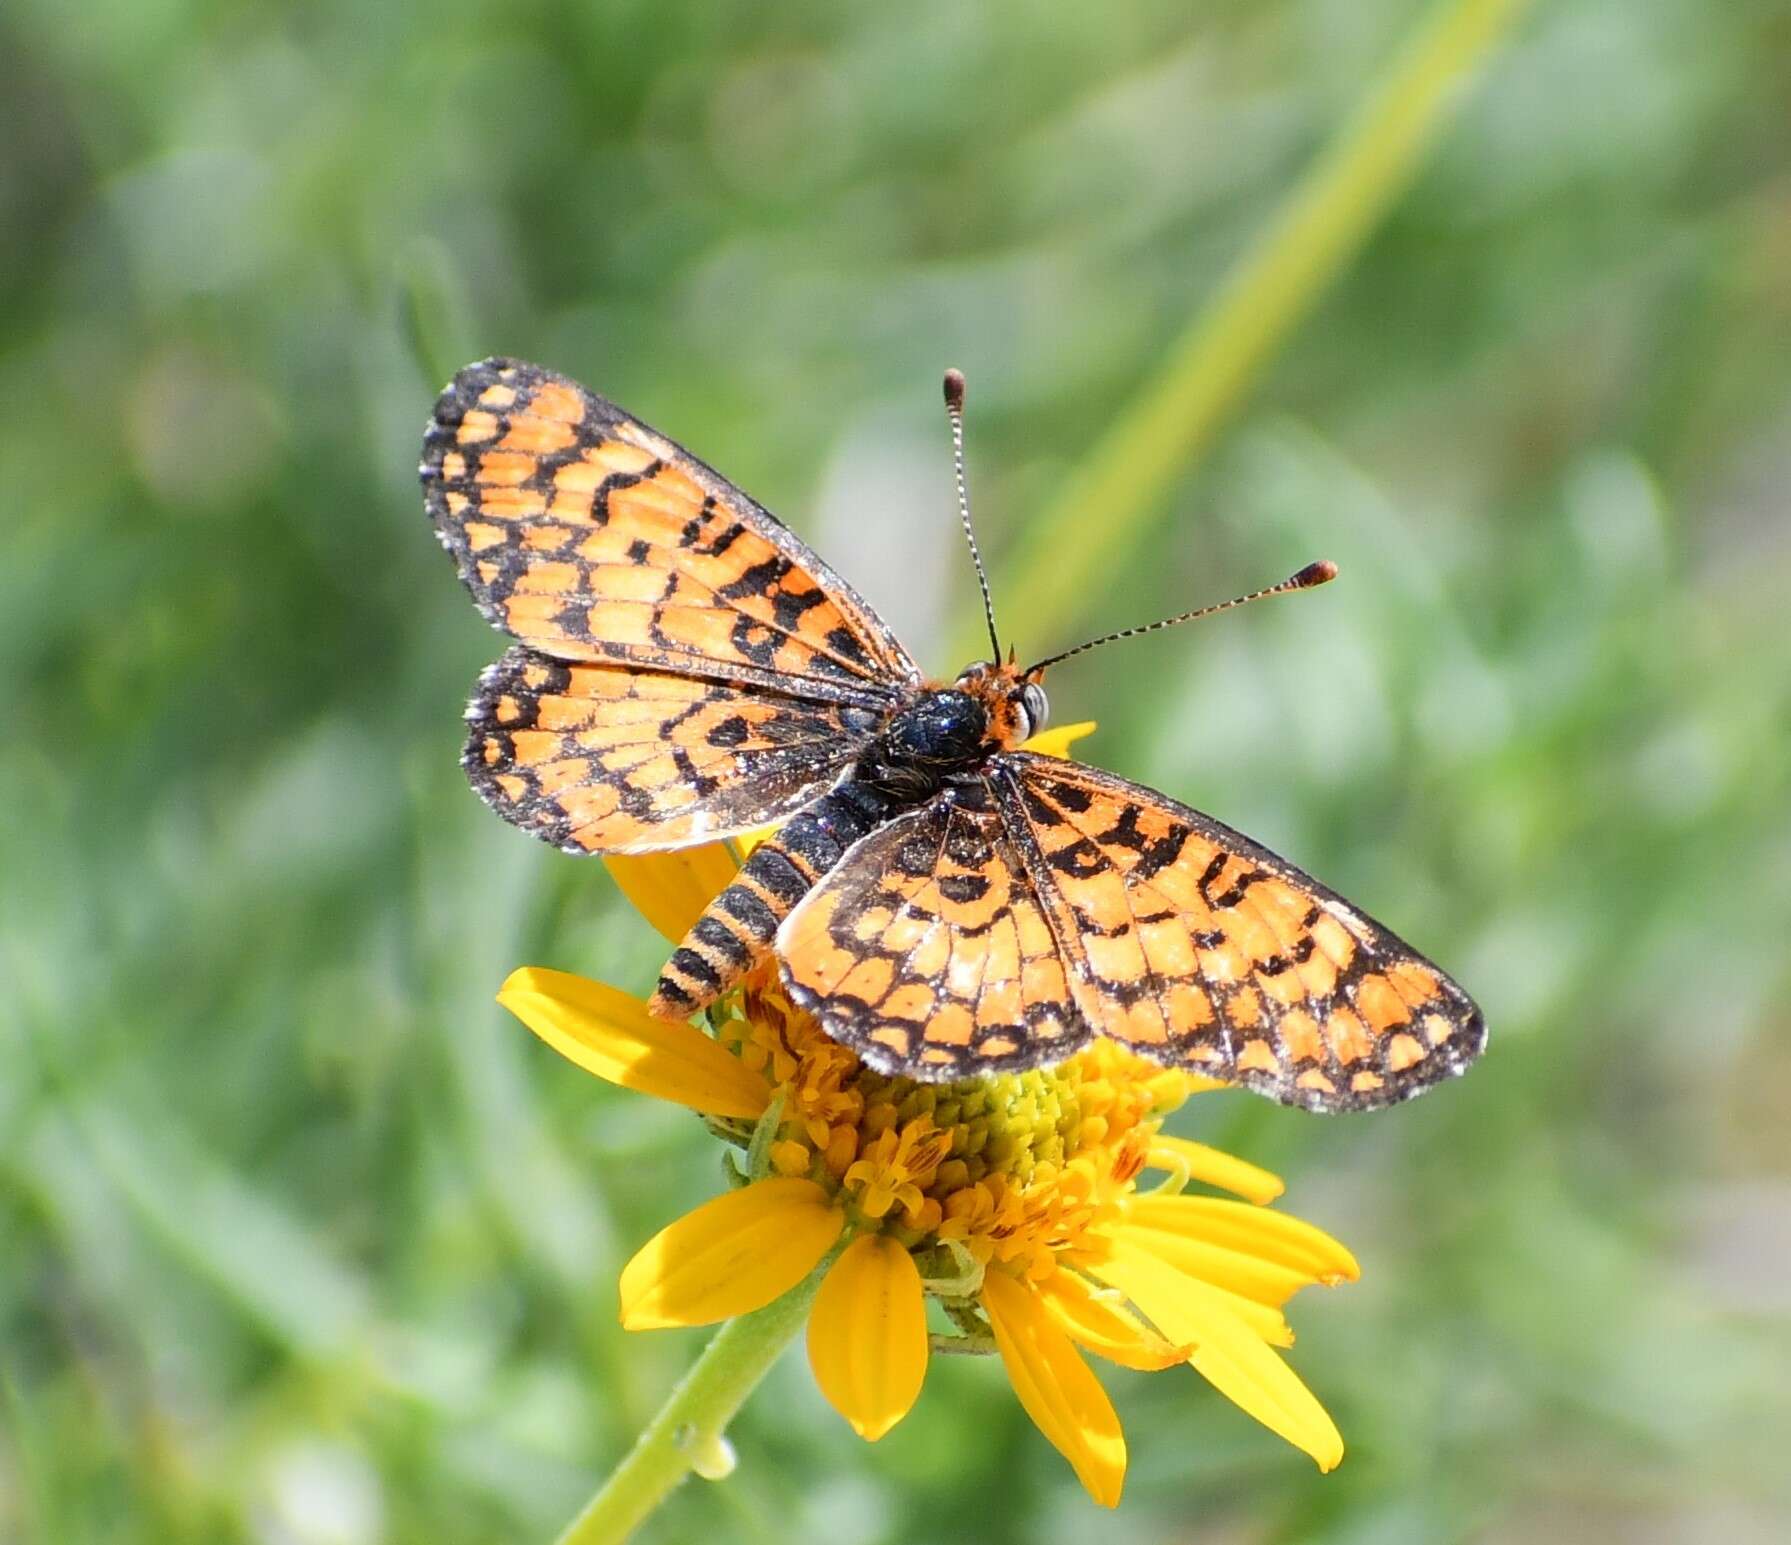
column 954, row 411
column 1320, row 573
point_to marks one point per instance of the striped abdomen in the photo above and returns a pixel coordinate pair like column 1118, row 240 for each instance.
column 734, row 934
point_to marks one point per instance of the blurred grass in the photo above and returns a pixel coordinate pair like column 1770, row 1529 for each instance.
column 304, row 1242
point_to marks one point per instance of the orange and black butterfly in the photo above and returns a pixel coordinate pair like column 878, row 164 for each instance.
column 942, row 901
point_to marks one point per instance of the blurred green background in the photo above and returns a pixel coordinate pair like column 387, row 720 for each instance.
column 302, row 1241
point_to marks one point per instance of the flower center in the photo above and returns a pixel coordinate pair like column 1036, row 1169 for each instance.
column 1009, row 1168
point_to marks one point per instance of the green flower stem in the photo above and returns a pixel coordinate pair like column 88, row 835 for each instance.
column 1164, row 428
column 686, row 1435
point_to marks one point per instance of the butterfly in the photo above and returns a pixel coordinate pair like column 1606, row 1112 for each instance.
column 942, row 900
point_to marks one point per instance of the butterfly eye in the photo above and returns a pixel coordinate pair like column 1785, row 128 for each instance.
column 1036, row 707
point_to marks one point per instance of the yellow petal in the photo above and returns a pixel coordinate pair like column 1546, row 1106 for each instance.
column 671, row 889
column 1124, row 1243
column 747, row 841
column 608, row 1033
column 1249, row 1276
column 1057, row 742
column 1059, row 1392
column 867, row 1335
column 1212, row 1167
column 1227, row 1352
column 732, row 1255
column 1103, row 1324
column 1258, row 1231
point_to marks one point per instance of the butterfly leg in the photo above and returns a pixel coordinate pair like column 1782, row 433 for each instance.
column 736, row 931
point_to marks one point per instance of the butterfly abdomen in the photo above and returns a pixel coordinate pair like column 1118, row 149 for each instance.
column 735, row 932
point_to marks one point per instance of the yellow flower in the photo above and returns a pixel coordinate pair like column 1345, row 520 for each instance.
column 1013, row 1200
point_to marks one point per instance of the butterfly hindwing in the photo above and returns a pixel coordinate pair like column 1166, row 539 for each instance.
column 926, row 949
column 589, row 536
column 602, row 758
column 1204, row 950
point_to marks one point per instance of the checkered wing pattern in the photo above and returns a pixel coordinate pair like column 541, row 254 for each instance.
column 927, row 950
column 1197, row 947
column 689, row 667
column 596, row 758
column 589, row 536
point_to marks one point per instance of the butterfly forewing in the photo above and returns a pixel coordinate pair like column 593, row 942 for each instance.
column 1202, row 949
column 927, row 951
column 589, row 536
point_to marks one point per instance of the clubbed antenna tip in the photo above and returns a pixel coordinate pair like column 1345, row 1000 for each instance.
column 1320, row 573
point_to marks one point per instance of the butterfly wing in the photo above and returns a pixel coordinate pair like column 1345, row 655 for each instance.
column 927, row 951
column 1202, row 949
column 599, row 758
column 689, row 668
column 589, row 536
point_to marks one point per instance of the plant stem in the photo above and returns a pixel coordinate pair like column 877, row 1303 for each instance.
column 687, row 1432
column 1106, row 506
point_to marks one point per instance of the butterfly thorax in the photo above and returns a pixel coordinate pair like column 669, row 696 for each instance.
column 933, row 742
column 946, row 735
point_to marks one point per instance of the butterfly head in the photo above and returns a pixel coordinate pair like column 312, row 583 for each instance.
column 1014, row 700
